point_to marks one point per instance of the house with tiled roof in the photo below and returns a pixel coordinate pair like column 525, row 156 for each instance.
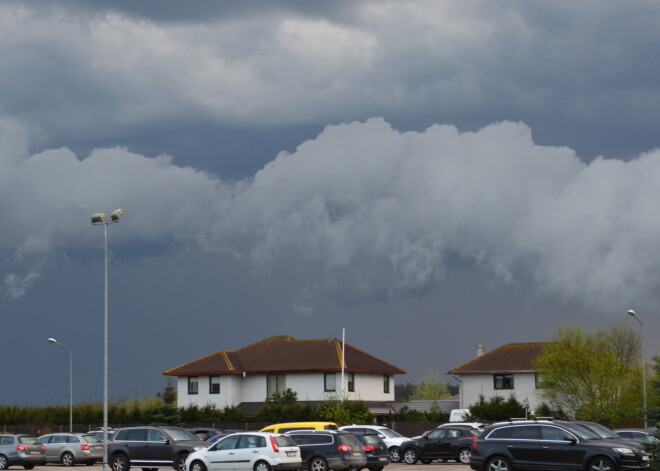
column 506, row 370
column 246, row 377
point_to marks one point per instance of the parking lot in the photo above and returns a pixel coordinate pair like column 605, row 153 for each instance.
column 434, row 466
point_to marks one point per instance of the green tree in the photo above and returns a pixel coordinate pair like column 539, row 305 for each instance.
column 282, row 407
column 167, row 414
column 590, row 376
column 430, row 389
column 403, row 392
column 495, row 409
column 344, row 412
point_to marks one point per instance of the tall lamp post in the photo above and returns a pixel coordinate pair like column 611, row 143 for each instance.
column 633, row 314
column 52, row 340
column 99, row 219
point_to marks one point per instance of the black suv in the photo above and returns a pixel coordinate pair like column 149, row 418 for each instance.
column 446, row 442
column 322, row 450
column 544, row 444
column 150, row 448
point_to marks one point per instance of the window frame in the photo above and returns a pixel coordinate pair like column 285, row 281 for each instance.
column 506, row 382
column 329, row 387
column 276, row 380
column 211, row 384
column 350, row 382
column 193, row 381
column 386, row 384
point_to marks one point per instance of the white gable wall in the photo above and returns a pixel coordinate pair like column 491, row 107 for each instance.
column 474, row 385
column 235, row 389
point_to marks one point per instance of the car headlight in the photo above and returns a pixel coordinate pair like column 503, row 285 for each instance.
column 624, row 451
column 200, row 448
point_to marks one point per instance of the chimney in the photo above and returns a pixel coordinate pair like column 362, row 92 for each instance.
column 480, row 350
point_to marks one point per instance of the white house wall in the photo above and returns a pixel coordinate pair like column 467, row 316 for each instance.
column 235, row 389
column 476, row 385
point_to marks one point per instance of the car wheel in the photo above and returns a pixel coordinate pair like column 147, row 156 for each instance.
column 261, row 466
column 318, row 464
column 498, row 463
column 464, row 455
column 410, row 456
column 425, row 461
column 4, row 463
column 601, row 463
column 28, row 466
column 395, row 457
column 181, row 462
column 120, row 462
column 197, row 466
column 67, row 459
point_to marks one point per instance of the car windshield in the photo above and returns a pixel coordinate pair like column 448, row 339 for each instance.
column 581, row 432
column 178, row 434
column 389, row 433
column 601, row 430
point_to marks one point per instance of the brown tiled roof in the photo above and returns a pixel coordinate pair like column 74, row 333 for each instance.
column 284, row 354
column 509, row 357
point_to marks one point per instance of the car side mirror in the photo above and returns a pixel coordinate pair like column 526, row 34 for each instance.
column 570, row 438
column 164, row 439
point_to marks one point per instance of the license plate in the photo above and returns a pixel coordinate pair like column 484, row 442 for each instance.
column 384, row 459
column 645, row 457
column 35, row 452
column 290, row 453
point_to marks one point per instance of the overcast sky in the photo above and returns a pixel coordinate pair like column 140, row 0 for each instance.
column 430, row 175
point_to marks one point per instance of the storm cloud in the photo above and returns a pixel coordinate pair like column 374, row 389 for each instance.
column 391, row 210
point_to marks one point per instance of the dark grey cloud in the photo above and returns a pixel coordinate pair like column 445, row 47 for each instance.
column 263, row 197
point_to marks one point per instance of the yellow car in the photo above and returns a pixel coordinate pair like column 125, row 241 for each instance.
column 287, row 427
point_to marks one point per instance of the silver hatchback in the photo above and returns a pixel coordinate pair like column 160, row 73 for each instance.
column 20, row 450
column 72, row 448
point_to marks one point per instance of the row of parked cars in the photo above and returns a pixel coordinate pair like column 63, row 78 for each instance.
column 322, row 446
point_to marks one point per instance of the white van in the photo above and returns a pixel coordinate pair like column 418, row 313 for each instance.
column 458, row 415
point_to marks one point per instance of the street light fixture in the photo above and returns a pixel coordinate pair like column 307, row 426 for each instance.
column 52, row 340
column 633, row 314
column 99, row 219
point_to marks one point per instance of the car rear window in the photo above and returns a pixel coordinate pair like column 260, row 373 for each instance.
column 312, row 439
column 330, row 427
column 349, row 439
column 292, row 429
column 283, row 440
column 372, row 439
column 91, row 439
column 28, row 440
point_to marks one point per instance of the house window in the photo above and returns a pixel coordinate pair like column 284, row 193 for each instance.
column 386, row 384
column 503, row 381
column 214, row 384
column 329, row 382
column 276, row 384
column 351, row 382
column 538, row 381
column 193, row 384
